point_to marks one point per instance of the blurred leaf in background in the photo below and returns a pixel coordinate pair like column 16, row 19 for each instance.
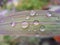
column 7, row 38
column 34, row 40
column 30, row 4
column 25, row 4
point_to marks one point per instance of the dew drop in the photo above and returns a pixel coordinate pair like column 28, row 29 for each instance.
column 24, row 24
column 32, row 13
column 13, row 24
column 42, row 28
column 36, row 22
column 49, row 14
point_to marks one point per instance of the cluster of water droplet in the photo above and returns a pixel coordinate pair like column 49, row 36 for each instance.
column 25, row 24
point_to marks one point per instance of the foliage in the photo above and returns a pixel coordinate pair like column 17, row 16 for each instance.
column 7, row 38
column 31, row 4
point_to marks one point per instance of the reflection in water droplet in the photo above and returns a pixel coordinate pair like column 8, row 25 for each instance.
column 27, row 17
column 42, row 28
column 36, row 22
column 13, row 24
column 32, row 13
column 24, row 24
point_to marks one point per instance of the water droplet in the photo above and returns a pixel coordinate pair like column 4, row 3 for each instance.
column 13, row 24
column 32, row 13
column 27, row 17
column 42, row 28
column 24, row 24
column 49, row 14
column 36, row 22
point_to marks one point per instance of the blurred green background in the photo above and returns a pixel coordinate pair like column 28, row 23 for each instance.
column 26, row 4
